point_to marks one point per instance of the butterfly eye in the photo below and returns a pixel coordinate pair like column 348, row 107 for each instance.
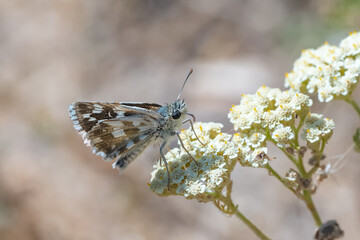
column 176, row 115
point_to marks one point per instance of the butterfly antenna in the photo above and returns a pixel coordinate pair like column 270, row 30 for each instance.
column 191, row 71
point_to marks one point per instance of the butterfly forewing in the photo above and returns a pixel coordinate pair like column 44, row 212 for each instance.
column 116, row 131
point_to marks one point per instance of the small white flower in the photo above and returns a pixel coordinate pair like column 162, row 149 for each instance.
column 317, row 128
column 282, row 135
column 216, row 176
column 256, row 139
column 326, row 94
column 351, row 44
column 312, row 135
column 195, row 188
column 298, row 101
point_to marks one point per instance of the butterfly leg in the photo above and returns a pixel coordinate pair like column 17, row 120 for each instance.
column 192, row 128
column 165, row 162
column 182, row 145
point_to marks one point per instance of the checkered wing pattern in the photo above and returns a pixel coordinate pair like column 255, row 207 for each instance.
column 116, row 131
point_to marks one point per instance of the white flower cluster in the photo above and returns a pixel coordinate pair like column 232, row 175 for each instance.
column 330, row 70
column 267, row 115
column 215, row 159
column 317, row 130
column 269, row 108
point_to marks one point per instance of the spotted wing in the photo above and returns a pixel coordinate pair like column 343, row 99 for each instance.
column 116, row 131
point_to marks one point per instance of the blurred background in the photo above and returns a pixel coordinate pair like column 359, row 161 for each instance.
column 56, row 52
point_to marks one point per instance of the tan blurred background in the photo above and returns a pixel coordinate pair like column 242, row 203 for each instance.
column 56, row 52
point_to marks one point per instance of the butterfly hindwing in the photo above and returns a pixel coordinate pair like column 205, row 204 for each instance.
column 112, row 138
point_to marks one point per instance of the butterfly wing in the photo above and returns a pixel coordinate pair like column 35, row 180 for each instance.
column 116, row 131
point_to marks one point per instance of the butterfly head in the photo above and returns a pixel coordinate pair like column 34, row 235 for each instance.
column 177, row 109
column 173, row 116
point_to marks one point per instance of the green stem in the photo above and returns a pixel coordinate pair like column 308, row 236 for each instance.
column 300, row 164
column 353, row 103
column 284, row 151
column 306, row 197
column 301, row 167
column 310, row 205
column 307, row 193
column 257, row 231
column 297, row 130
column 323, row 143
column 275, row 174
column 312, row 170
column 232, row 209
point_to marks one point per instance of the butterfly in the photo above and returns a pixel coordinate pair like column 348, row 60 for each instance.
column 119, row 131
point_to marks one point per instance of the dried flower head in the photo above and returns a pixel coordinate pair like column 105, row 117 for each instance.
column 293, row 179
column 329, row 230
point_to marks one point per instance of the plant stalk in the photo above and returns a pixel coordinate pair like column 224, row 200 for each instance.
column 310, row 205
column 353, row 103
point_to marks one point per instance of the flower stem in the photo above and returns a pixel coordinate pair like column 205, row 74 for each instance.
column 257, row 231
column 297, row 130
column 313, row 170
column 301, row 167
column 228, row 207
column 307, row 194
column 286, row 154
column 275, row 174
column 310, row 205
column 353, row 103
